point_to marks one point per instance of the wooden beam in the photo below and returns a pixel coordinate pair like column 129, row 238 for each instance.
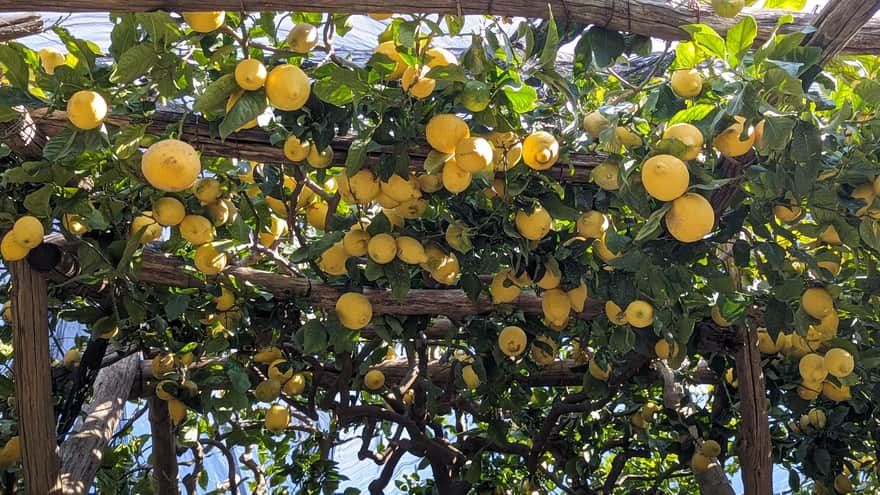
column 164, row 455
column 83, row 451
column 837, row 24
column 33, row 379
column 754, row 451
column 23, row 137
column 657, row 18
column 17, row 26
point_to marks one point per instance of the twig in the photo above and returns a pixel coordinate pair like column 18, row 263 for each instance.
column 247, row 458
column 635, row 90
column 230, row 461
column 190, row 481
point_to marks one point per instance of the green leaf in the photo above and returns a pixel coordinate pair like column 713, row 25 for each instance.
column 777, row 132
column 37, row 202
column 806, row 142
column 214, row 98
column 692, row 114
column 238, row 377
column 607, row 45
column 551, row 44
column 127, row 141
column 454, row 24
column 176, row 306
column 315, row 337
column 740, row 38
column 471, row 285
column 248, row 107
column 397, row 274
column 869, row 91
column 357, row 152
column 651, row 228
column 136, row 61
column 869, row 231
column 711, row 43
column 332, row 92
column 522, row 99
column 16, row 69
column 435, row 160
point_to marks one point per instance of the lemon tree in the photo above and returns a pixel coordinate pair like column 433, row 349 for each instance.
column 532, row 276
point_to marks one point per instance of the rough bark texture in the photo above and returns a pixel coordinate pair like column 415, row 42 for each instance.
column 83, row 451
column 754, row 430
column 23, row 137
column 33, row 380
column 714, row 481
column 838, row 22
column 164, row 454
column 16, row 26
column 657, row 18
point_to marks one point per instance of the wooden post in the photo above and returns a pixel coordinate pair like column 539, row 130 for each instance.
column 12, row 27
column 164, row 452
column 83, row 451
column 754, row 452
column 33, row 380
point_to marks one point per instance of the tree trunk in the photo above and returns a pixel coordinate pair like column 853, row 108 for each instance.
column 164, row 452
column 33, row 380
column 754, row 430
column 713, row 481
column 12, row 27
column 83, row 451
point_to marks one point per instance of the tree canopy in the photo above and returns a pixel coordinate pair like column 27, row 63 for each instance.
column 626, row 273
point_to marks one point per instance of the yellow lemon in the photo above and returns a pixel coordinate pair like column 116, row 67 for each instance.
column 663, row 351
column 592, row 224
column 296, row 149
column 374, row 380
column 809, row 391
column 444, row 131
column 691, row 218
column 225, row 301
column 837, row 393
column 540, row 150
column 439, row 57
column 354, row 310
column 817, row 302
column 665, row 177
column 508, row 149
column 607, row 176
column 316, row 215
column 689, row 136
column 455, row 180
column 171, row 165
column 168, row 211
column 600, row 249
column 551, row 279
column 597, row 372
column 250, row 74
column 812, row 368
column 86, row 109
column 535, row 225
column 153, row 230
column 686, row 83
column 400, row 189
column 448, row 270
column 267, row 390
column 626, row 137
column 503, row 288
column 332, row 260
column 221, row 211
column 839, row 362
column 206, row 190
column 556, row 306
column 410, row 251
column 197, row 229
column 578, row 297
column 162, row 364
column 320, row 158
column 541, row 355
column 389, row 50
column 280, row 370
column 267, row 355
column 615, row 313
column 50, row 58
column 204, row 22
column 296, row 385
column 276, row 228
column 208, row 260
column 512, row 341
column 640, row 314
column 473, row 154
column 277, row 418
column 766, row 344
column 470, row 377
column 177, row 411
column 355, row 241
column 382, row 248
column 379, row 17
column 594, row 123
column 728, row 142
column 361, row 188
column 74, row 223
column 28, row 232
column 416, row 83
column 430, row 183
column 303, row 38
column 287, row 87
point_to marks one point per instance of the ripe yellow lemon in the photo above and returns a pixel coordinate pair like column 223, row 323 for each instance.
column 503, row 288
column 766, row 344
column 594, row 123
column 665, row 177
column 28, row 232
column 600, row 249
column 839, row 362
column 430, row 183
column 208, row 260
column 415, row 82
column 280, row 370
column 592, row 224
column 221, row 211
column 508, row 149
column 455, row 180
column 439, row 57
column 817, row 302
column 74, row 223
column 728, row 8
column 50, row 58
column 470, row 377
column 152, row 232
column 691, row 218
column 379, row 16
column 296, row 149
column 556, row 306
column 597, row 372
column 541, row 355
column 640, row 314
column 171, row 165
column 615, row 313
column 250, row 74
column 787, row 214
column 225, row 301
column 540, row 150
column 320, row 158
column 272, row 232
column 837, row 393
column 410, row 251
column 206, row 190
column 168, row 211
column 551, row 279
column 374, row 380
column 607, row 176
column 296, row 385
column 473, row 154
column 177, row 411
column 512, row 341
column 686, row 83
column 664, row 351
column 267, row 355
column 535, row 225
column 400, row 189
column 389, row 50
column 382, row 248
column 204, row 22
column 355, row 242
column 577, row 297
column 812, row 368
column 360, row 188
column 162, row 364
column 267, row 390
column 689, row 136
column 444, row 131
column 86, row 109
column 809, row 391
column 332, row 260
column 728, row 142
column 626, row 137
column 448, row 270
column 287, row 87
column 303, row 38
column 197, row 229
column 277, row 418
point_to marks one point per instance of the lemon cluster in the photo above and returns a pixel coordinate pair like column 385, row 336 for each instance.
column 27, row 233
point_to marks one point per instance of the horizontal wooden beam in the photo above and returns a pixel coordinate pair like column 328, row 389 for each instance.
column 17, row 26
column 656, row 18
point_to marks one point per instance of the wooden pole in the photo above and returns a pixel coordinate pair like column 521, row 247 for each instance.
column 754, row 451
column 838, row 22
column 12, row 27
column 33, row 380
column 164, row 453
column 83, row 451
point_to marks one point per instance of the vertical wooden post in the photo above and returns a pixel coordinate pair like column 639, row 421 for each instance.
column 33, row 380
column 755, row 457
column 164, row 453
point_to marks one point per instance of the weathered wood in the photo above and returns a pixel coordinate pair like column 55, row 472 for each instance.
column 83, row 451
column 23, row 137
column 16, row 26
column 838, row 22
column 164, row 455
column 33, row 379
column 754, row 451
column 657, row 18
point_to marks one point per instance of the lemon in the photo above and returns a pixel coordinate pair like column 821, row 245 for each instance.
column 400, row 189
column 74, row 223
column 354, row 310
column 206, row 190
column 689, row 136
column 597, row 372
column 540, row 150
column 440, row 57
column 250, row 74
column 626, row 137
column 551, row 279
column 50, row 58
column 382, row 248
column 665, row 177
column 503, row 288
column 411, row 209
column 277, row 418
column 416, row 83
column 152, row 232
column 817, row 302
column 508, row 149
column 86, row 109
column 594, row 123
column 444, row 131
column 171, row 165
column 320, row 158
column 839, row 362
column 177, row 411
column 541, row 355
column 303, row 38
column 10, row 454
column 233, row 98
column 295, row 149
column 204, row 22
column 640, row 314
column 280, row 370
column 817, row 418
column 686, row 83
column 600, row 249
column 455, row 180
column 332, row 260
column 842, row 484
column 267, row 355
column 410, row 251
column 362, row 187
column 766, row 344
column 287, row 87
column 316, row 214
column 208, row 260
column 592, row 224
column 728, row 8
column 512, row 341
column 168, row 211
column 374, row 380
column 607, row 176
column 728, row 142
column 457, row 237
column 787, row 214
column 663, row 351
column 221, row 211
column 276, row 228
column 430, row 183
column 615, row 313
column 809, row 391
column 699, row 463
column 812, row 368
column 296, row 385
column 355, row 241
column 28, row 232
column 196, row 229
column 379, row 17
column 535, row 225
column 226, row 300
column 830, row 236
column 470, row 377
column 556, row 306
column 837, row 393
column 389, row 50
column 475, row 96
column 691, row 218
column 267, row 390
column 162, row 364
column 473, row 154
